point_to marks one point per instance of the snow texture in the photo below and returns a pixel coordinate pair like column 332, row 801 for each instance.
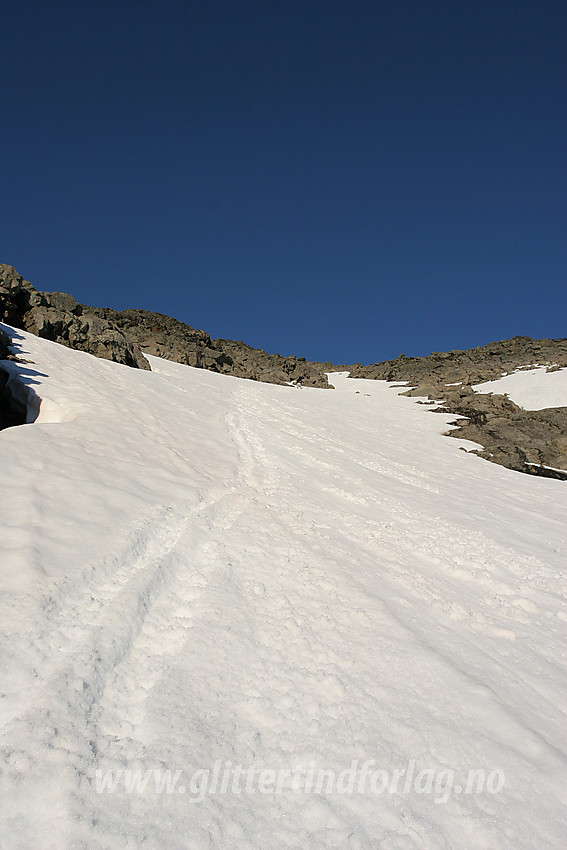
column 532, row 389
column 197, row 569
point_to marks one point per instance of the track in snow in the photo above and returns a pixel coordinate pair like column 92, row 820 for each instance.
column 321, row 589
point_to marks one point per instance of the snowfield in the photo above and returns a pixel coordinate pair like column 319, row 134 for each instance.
column 532, row 389
column 215, row 589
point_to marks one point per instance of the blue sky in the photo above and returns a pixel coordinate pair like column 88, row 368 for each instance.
column 337, row 180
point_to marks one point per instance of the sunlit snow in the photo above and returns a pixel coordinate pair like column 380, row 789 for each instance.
column 532, row 389
column 203, row 571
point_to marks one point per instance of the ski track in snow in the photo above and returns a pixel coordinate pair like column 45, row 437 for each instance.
column 290, row 577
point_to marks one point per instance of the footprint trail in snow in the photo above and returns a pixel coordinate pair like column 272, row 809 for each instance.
column 238, row 573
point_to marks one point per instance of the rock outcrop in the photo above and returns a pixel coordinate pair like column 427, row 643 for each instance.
column 58, row 317
column 529, row 441
column 165, row 337
column 125, row 335
column 525, row 440
column 12, row 412
column 473, row 366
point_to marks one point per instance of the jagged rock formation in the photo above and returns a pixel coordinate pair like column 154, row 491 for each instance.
column 525, row 440
column 58, row 317
column 165, row 337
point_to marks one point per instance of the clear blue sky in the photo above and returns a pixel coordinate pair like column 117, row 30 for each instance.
column 339, row 180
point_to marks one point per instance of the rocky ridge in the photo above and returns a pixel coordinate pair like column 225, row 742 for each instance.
column 126, row 335
column 58, row 317
column 171, row 339
column 528, row 441
column 532, row 441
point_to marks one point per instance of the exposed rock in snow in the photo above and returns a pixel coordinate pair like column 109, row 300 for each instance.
column 58, row 317
column 535, row 443
column 168, row 338
column 123, row 336
column 532, row 442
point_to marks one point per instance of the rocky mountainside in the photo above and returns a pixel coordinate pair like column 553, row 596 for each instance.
column 124, row 336
column 527, row 441
column 58, row 317
column 470, row 367
column 165, row 337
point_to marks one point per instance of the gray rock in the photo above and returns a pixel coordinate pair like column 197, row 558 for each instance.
column 165, row 337
column 524, row 440
column 123, row 336
column 58, row 317
column 527, row 441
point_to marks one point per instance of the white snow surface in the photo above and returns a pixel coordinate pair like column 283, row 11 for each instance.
column 532, row 389
column 197, row 569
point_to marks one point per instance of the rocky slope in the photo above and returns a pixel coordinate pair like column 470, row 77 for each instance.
column 124, row 336
column 58, row 317
column 528, row 441
column 165, row 337
column 525, row 440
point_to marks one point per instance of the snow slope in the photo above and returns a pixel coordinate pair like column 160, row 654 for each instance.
column 532, row 389
column 201, row 570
